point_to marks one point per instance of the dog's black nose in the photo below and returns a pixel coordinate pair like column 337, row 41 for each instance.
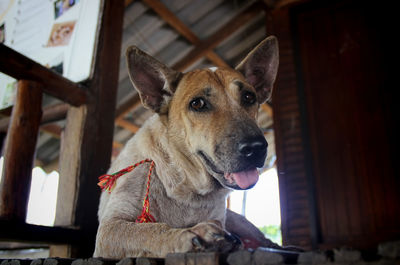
column 253, row 147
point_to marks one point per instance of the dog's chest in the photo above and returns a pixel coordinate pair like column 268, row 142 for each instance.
column 186, row 213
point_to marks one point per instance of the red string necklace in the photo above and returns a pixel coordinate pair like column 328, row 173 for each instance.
column 107, row 182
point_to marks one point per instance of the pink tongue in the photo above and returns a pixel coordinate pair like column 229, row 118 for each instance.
column 246, row 179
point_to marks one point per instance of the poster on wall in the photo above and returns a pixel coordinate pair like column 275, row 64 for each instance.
column 59, row 34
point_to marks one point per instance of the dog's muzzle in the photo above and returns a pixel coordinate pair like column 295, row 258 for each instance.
column 239, row 168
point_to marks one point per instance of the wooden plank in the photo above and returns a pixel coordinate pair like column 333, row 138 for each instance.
column 233, row 25
column 22, row 232
column 208, row 258
column 60, row 251
column 20, row 150
column 127, row 125
column 18, row 66
column 353, row 203
column 287, row 126
column 184, row 30
column 69, row 168
column 93, row 137
column 51, row 113
column 58, row 112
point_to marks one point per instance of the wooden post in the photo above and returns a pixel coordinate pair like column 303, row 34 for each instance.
column 20, row 151
column 92, row 135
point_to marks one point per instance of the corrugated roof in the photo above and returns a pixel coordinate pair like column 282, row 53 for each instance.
column 145, row 27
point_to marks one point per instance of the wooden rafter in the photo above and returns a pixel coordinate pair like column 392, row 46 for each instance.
column 55, row 131
column 267, row 108
column 184, row 30
column 127, row 125
column 58, row 112
column 232, row 26
column 51, row 113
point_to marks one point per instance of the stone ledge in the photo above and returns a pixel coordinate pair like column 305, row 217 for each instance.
column 387, row 254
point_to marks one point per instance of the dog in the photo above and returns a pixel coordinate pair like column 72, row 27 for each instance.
column 203, row 142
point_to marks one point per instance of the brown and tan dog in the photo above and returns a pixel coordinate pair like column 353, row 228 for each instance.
column 204, row 141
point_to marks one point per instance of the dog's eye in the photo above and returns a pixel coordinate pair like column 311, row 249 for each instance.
column 248, row 98
column 198, row 104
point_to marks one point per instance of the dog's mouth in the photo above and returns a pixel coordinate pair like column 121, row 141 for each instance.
column 241, row 180
column 244, row 179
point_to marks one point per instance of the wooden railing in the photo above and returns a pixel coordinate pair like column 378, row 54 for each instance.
column 86, row 140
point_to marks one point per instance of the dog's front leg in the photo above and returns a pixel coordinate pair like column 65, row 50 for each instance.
column 119, row 238
column 250, row 235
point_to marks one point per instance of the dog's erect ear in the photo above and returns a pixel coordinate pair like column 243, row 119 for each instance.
column 154, row 81
column 260, row 67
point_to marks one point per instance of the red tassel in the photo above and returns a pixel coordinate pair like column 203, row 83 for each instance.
column 146, row 217
column 107, row 182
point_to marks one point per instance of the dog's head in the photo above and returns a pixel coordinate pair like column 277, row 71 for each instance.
column 211, row 113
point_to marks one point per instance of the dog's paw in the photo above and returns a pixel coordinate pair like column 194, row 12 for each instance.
column 209, row 236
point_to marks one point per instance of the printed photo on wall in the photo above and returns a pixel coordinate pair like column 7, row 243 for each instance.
column 61, row 34
column 61, row 6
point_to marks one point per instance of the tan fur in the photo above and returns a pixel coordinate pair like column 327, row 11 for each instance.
column 184, row 195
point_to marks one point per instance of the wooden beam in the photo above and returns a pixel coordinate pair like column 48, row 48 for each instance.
column 69, row 168
column 53, row 129
column 20, row 150
column 180, row 27
column 22, row 232
column 233, row 25
column 127, row 125
column 18, row 66
column 54, row 113
column 56, row 131
column 208, row 258
column 58, row 112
